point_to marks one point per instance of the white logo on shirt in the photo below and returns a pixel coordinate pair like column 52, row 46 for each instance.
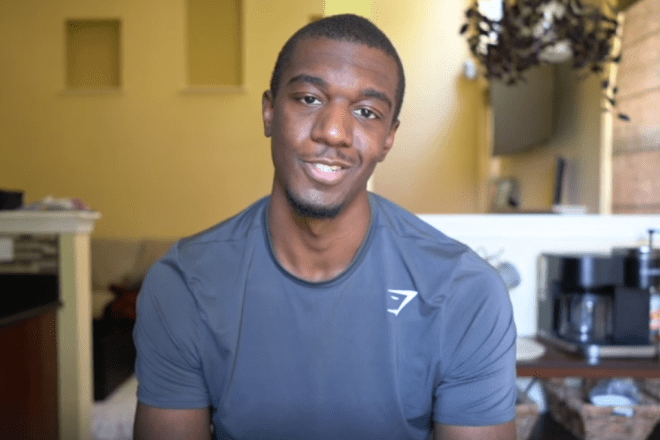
column 400, row 299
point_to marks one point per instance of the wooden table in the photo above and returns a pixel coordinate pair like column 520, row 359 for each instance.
column 558, row 363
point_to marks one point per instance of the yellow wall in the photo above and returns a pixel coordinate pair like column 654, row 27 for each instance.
column 582, row 136
column 154, row 160
column 433, row 167
column 440, row 162
column 158, row 161
column 577, row 138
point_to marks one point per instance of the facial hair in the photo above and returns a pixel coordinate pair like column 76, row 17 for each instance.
column 309, row 210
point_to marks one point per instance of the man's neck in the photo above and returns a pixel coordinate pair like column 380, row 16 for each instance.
column 317, row 249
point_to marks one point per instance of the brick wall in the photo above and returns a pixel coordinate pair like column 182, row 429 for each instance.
column 636, row 144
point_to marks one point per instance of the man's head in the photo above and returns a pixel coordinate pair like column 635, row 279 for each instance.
column 331, row 116
column 344, row 27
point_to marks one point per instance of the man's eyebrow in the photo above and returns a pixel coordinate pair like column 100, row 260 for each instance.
column 315, row 80
column 371, row 93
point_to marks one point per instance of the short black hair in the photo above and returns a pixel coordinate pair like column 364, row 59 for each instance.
column 344, row 27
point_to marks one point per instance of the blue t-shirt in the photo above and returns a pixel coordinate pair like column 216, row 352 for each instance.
column 418, row 329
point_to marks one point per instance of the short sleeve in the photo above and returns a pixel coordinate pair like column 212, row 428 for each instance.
column 477, row 386
column 166, row 335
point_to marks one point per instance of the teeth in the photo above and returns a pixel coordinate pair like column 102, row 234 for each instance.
column 326, row 168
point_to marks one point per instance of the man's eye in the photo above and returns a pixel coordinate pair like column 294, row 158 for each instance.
column 366, row 113
column 310, row 100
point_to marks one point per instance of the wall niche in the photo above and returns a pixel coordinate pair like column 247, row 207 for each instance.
column 214, row 43
column 93, row 53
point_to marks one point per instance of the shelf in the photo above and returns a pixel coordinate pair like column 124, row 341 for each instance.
column 81, row 222
column 93, row 53
column 556, row 363
column 214, row 43
column 213, row 90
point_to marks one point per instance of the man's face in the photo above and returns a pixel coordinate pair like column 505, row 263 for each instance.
column 330, row 123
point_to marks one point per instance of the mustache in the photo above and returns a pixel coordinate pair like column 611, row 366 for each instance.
column 331, row 154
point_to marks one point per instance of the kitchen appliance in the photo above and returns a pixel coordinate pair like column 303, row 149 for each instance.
column 599, row 304
column 10, row 199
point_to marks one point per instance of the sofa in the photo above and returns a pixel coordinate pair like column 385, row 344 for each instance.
column 118, row 267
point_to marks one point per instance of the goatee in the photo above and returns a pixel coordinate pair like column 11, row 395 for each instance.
column 309, row 210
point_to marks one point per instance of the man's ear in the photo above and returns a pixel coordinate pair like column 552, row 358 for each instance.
column 267, row 103
column 389, row 141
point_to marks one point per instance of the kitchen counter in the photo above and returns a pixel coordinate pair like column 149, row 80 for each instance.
column 557, row 363
column 521, row 238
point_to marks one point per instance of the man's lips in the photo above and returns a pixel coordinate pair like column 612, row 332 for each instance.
column 325, row 172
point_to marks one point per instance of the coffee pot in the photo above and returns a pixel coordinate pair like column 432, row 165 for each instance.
column 600, row 302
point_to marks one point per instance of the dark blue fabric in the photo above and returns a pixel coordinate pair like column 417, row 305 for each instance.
column 418, row 329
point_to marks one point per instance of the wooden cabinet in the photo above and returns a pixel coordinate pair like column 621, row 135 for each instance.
column 28, row 378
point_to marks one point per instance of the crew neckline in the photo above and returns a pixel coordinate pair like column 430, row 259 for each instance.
column 359, row 255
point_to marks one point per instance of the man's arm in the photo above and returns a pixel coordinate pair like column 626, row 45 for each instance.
column 505, row 431
column 152, row 423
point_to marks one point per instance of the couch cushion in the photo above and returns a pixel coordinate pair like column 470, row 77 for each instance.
column 112, row 259
column 150, row 252
column 121, row 262
column 124, row 261
column 100, row 300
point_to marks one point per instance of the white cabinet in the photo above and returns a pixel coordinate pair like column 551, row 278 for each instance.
column 74, row 326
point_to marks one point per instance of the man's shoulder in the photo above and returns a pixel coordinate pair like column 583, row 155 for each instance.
column 440, row 263
column 410, row 228
column 236, row 228
column 207, row 258
column 218, row 247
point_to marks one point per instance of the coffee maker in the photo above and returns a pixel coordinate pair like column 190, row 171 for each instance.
column 598, row 304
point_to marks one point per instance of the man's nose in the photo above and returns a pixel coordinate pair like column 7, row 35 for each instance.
column 333, row 126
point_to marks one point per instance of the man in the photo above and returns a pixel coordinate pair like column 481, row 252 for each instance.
column 324, row 311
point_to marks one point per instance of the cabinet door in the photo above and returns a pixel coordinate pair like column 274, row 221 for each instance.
column 28, row 378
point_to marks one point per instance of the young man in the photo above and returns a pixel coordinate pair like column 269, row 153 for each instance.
column 324, row 311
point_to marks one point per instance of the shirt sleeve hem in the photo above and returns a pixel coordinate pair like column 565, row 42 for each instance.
column 174, row 404
column 475, row 420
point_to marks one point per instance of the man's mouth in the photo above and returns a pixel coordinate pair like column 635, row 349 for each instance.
column 327, row 168
column 325, row 173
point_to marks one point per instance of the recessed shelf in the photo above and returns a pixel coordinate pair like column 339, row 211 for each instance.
column 200, row 90
column 92, row 90
column 92, row 54
column 214, row 43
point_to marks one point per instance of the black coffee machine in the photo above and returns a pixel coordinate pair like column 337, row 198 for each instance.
column 598, row 304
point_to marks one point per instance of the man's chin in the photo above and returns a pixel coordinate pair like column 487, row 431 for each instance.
column 311, row 210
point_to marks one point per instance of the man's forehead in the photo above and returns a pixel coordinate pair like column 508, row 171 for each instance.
column 313, row 42
column 320, row 53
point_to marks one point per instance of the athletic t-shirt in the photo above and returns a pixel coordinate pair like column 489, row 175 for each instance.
column 418, row 329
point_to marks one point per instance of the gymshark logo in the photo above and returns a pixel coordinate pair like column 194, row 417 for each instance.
column 399, row 298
